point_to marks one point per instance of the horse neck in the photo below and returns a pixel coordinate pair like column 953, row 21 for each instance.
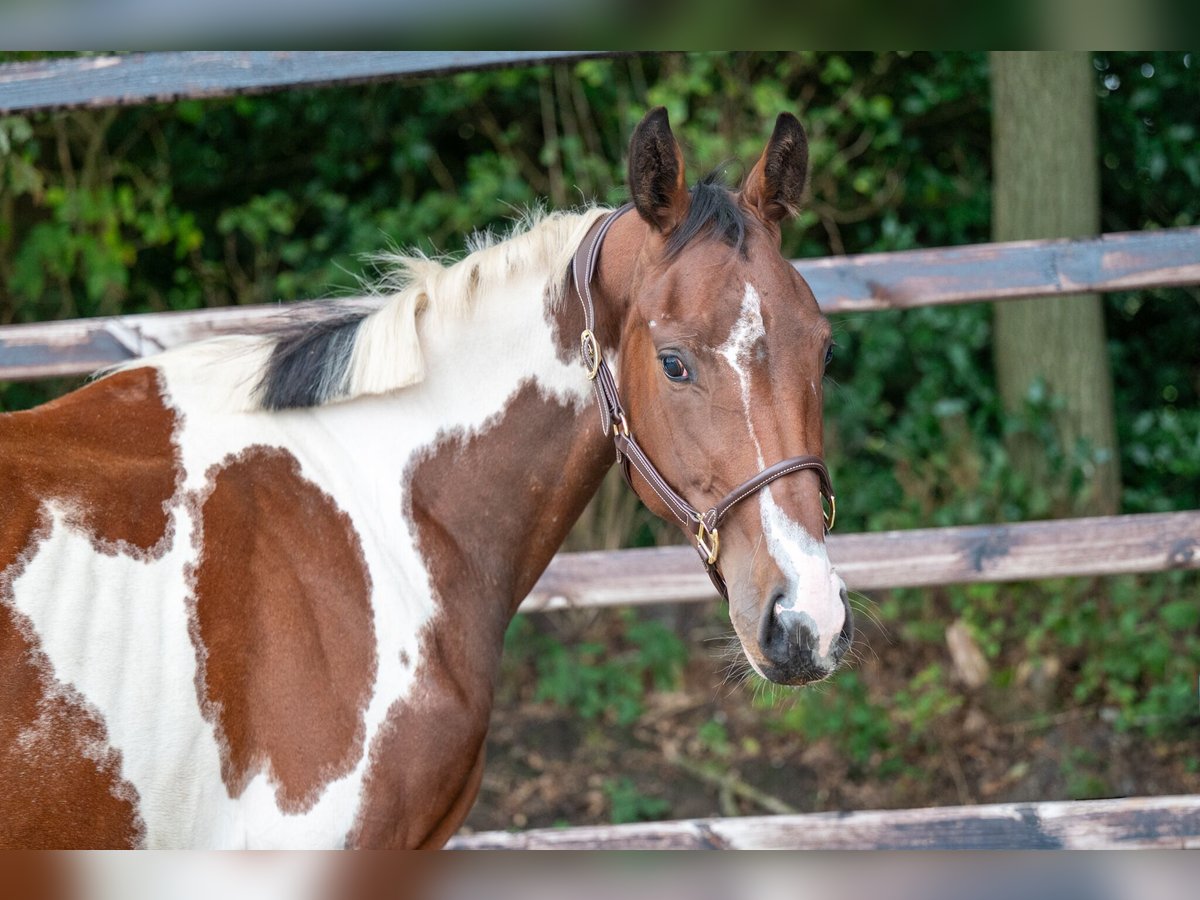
column 496, row 503
column 491, row 505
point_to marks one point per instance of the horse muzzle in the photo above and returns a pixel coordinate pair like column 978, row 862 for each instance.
column 794, row 649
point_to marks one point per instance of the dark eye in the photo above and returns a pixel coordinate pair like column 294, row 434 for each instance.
column 829, row 355
column 674, row 368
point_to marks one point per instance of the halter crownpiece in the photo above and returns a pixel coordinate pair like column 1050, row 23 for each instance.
column 706, row 526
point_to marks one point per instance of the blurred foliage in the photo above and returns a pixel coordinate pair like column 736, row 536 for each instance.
column 284, row 196
column 627, row 803
column 602, row 681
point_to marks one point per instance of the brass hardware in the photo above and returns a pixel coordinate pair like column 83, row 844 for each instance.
column 711, row 547
column 588, row 343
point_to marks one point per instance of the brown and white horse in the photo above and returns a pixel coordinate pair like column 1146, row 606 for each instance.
column 253, row 591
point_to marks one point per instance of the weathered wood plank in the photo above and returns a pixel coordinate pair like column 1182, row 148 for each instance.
column 1109, row 545
column 1139, row 822
column 1005, row 271
column 1021, row 551
column 81, row 346
column 843, row 284
column 150, row 77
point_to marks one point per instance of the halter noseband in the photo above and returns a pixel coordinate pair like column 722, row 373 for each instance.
column 630, row 453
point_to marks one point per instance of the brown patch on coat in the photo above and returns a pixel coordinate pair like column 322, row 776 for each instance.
column 105, row 454
column 283, row 628
column 489, row 511
column 62, row 781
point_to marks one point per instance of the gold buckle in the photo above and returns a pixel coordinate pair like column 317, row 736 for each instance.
column 622, row 426
column 831, row 514
column 711, row 548
column 587, row 342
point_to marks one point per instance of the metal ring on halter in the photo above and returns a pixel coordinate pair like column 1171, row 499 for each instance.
column 621, row 425
column 713, row 547
column 831, row 516
column 588, row 343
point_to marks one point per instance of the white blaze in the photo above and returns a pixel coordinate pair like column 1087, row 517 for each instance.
column 814, row 589
column 747, row 331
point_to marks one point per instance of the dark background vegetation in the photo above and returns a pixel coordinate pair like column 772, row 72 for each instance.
column 1090, row 685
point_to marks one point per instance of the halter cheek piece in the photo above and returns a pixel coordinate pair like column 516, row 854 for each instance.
column 630, row 454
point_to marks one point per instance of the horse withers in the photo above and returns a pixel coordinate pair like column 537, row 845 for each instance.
column 253, row 590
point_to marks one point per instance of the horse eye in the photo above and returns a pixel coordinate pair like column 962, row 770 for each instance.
column 674, row 368
column 829, row 355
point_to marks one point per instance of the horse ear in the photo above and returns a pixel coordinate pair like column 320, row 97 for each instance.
column 656, row 180
column 776, row 183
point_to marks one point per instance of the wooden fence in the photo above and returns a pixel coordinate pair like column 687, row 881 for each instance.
column 905, row 280
column 148, row 77
column 1140, row 822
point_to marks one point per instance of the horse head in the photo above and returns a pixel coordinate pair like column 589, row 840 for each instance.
column 722, row 353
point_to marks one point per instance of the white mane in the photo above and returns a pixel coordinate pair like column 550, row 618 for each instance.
column 385, row 353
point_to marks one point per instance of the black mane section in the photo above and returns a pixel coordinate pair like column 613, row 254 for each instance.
column 310, row 361
column 712, row 209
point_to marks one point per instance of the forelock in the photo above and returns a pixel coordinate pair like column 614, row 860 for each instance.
column 713, row 211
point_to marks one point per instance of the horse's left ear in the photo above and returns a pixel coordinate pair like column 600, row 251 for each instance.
column 776, row 183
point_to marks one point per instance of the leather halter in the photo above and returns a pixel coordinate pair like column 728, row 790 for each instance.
column 630, row 454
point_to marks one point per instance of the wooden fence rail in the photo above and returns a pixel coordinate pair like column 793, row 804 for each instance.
column 845, row 284
column 921, row 557
column 1142, row 822
column 149, row 77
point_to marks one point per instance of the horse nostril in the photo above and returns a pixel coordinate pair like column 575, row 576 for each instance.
column 785, row 634
column 766, row 625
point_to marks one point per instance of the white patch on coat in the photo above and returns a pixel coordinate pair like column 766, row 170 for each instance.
column 813, row 587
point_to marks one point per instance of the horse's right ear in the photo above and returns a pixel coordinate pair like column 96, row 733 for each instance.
column 656, row 180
